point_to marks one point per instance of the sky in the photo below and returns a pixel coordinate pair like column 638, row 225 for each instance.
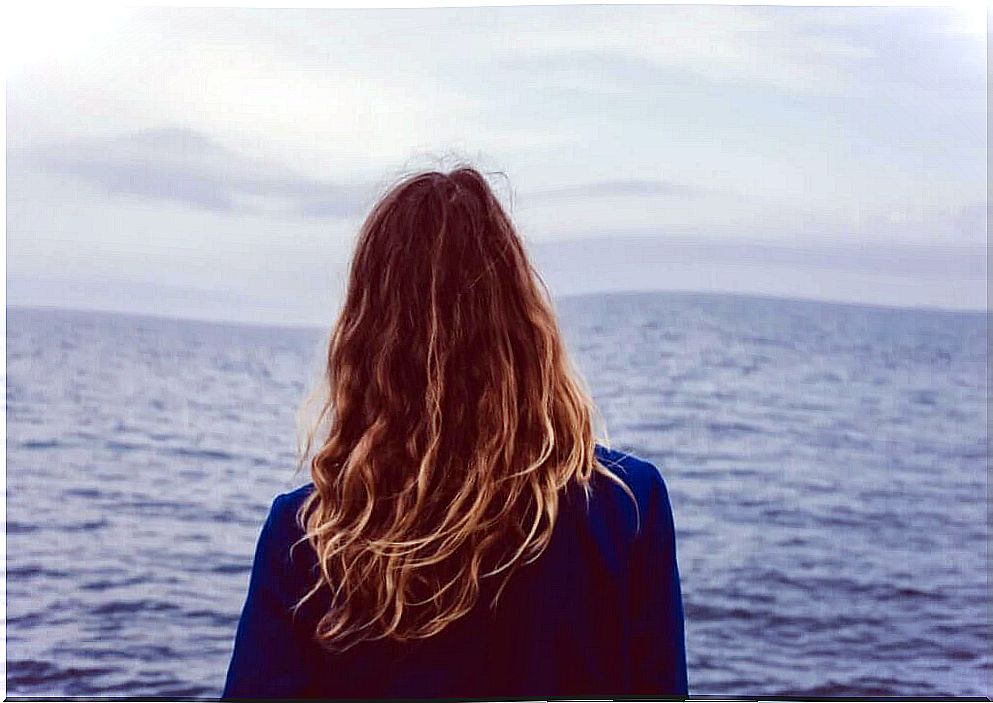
column 217, row 163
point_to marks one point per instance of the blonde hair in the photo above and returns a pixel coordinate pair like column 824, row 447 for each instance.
column 454, row 417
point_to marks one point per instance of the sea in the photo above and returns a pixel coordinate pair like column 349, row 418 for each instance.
column 827, row 466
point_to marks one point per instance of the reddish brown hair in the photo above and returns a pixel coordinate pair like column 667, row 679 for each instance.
column 454, row 416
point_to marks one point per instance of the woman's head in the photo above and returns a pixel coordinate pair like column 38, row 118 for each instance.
column 454, row 418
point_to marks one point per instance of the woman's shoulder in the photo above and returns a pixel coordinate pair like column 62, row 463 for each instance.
column 640, row 475
column 282, row 533
column 609, row 503
column 282, row 517
column 291, row 500
column 281, row 526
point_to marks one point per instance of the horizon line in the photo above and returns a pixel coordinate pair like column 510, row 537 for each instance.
column 555, row 299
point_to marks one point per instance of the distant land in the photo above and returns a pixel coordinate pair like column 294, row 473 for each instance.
column 563, row 300
column 950, row 275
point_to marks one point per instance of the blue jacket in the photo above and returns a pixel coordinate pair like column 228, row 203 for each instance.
column 598, row 614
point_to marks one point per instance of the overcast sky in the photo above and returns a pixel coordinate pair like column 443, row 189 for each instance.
column 217, row 163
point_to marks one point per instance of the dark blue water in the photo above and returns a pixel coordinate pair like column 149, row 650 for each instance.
column 827, row 466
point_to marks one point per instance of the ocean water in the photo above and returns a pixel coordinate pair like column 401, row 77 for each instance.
column 827, row 466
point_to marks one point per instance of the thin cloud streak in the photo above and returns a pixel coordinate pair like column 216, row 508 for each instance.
column 186, row 166
column 958, row 260
column 613, row 188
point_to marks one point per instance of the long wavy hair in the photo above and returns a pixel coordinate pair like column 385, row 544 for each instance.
column 453, row 417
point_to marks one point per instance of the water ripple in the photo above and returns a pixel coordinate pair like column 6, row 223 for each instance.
column 826, row 465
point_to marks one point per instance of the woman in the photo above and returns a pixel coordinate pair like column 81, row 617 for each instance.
column 463, row 534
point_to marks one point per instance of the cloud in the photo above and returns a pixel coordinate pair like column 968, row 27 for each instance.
column 789, row 124
column 971, row 222
column 866, row 52
column 778, row 49
column 933, row 260
column 187, row 166
column 955, row 225
column 612, row 188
